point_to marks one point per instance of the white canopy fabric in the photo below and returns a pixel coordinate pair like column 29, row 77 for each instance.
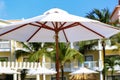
column 71, row 28
column 41, row 71
column 83, row 70
column 8, row 71
column 118, row 71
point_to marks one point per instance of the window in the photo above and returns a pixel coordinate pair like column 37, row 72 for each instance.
column 89, row 58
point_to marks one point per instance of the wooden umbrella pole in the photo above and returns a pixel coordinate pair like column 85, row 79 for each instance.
column 57, row 56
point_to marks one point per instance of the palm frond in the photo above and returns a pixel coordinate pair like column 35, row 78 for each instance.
column 25, row 46
column 72, row 54
column 100, row 15
column 37, row 55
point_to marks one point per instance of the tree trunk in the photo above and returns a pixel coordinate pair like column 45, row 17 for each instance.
column 112, row 74
column 62, row 72
column 23, row 74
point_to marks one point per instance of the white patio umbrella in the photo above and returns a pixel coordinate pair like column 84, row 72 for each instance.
column 83, row 71
column 118, row 71
column 8, row 71
column 57, row 25
column 5, row 70
column 41, row 71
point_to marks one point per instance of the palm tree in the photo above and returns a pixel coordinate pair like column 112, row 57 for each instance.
column 110, row 62
column 34, row 51
column 66, row 55
column 28, row 48
column 41, row 52
column 100, row 15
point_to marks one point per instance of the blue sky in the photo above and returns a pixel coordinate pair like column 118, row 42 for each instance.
column 18, row 9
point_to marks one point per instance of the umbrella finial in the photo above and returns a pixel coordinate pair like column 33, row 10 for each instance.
column 55, row 10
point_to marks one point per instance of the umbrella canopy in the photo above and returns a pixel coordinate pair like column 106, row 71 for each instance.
column 118, row 71
column 41, row 71
column 8, row 71
column 86, row 77
column 71, row 28
column 57, row 25
column 83, row 70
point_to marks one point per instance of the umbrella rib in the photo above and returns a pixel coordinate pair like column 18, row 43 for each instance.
column 54, row 25
column 71, row 25
column 57, row 27
column 13, row 29
column 65, row 36
column 92, row 30
column 33, row 34
column 45, row 26
column 34, row 25
column 61, row 25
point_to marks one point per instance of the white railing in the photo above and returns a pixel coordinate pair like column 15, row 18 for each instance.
column 20, row 65
column 32, row 65
column 68, row 67
column 74, row 66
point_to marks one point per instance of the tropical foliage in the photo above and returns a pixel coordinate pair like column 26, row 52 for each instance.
column 110, row 62
column 87, row 45
column 100, row 15
column 35, row 51
column 66, row 54
column 28, row 48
